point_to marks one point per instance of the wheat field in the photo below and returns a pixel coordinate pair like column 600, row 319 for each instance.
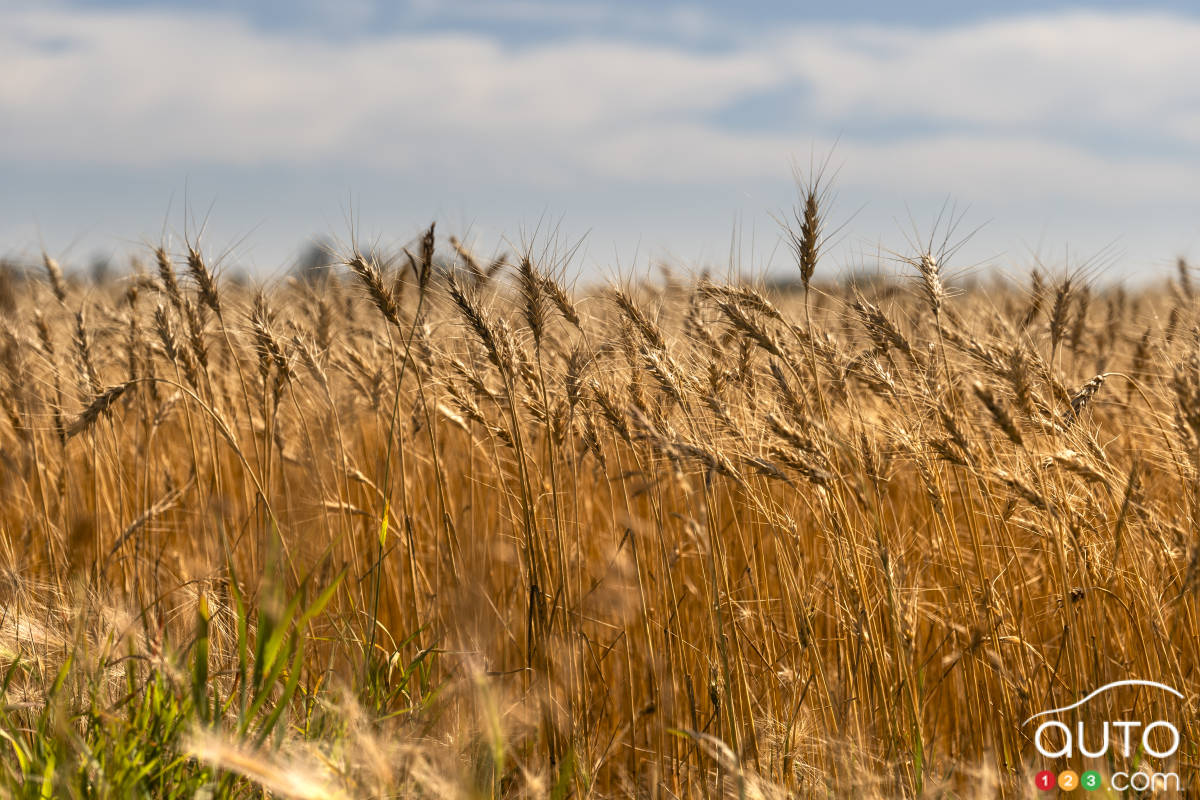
column 438, row 525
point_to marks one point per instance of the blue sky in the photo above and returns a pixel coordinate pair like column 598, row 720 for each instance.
column 664, row 131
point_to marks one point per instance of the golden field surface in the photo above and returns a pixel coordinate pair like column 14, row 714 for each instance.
column 438, row 526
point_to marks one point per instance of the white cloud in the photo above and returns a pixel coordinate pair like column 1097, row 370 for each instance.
column 1126, row 70
column 142, row 86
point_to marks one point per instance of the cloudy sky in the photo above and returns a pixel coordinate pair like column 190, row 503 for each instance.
column 655, row 131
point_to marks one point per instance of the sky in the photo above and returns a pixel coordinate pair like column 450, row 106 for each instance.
column 1066, row 134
